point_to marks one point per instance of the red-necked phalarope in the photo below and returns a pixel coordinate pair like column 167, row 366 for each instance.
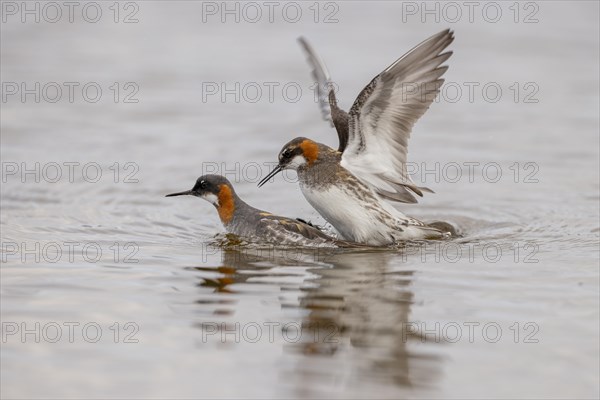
column 248, row 222
column 350, row 186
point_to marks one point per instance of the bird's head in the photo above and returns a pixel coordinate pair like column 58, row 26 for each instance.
column 297, row 153
column 216, row 190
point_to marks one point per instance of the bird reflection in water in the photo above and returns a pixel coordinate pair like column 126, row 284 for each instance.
column 356, row 312
column 360, row 307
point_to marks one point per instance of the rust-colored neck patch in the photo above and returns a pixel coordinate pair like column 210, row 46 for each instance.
column 226, row 205
column 310, row 150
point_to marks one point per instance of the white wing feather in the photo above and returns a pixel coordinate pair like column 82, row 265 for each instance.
column 384, row 113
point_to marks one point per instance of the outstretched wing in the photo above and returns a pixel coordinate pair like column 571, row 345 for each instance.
column 321, row 76
column 326, row 94
column 384, row 113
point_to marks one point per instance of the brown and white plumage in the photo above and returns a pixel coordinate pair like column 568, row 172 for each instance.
column 374, row 134
column 351, row 187
column 326, row 94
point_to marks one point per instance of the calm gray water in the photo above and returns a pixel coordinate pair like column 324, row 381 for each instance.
column 110, row 290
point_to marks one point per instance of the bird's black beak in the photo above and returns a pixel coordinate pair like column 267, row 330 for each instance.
column 275, row 171
column 179, row 194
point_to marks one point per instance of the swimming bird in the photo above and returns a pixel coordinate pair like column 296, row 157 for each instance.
column 256, row 225
column 352, row 187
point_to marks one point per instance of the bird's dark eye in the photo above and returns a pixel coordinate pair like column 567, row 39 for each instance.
column 287, row 153
column 203, row 184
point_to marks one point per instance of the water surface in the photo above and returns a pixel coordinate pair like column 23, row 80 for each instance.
column 510, row 309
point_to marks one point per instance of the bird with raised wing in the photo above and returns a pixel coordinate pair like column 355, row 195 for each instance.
column 352, row 187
